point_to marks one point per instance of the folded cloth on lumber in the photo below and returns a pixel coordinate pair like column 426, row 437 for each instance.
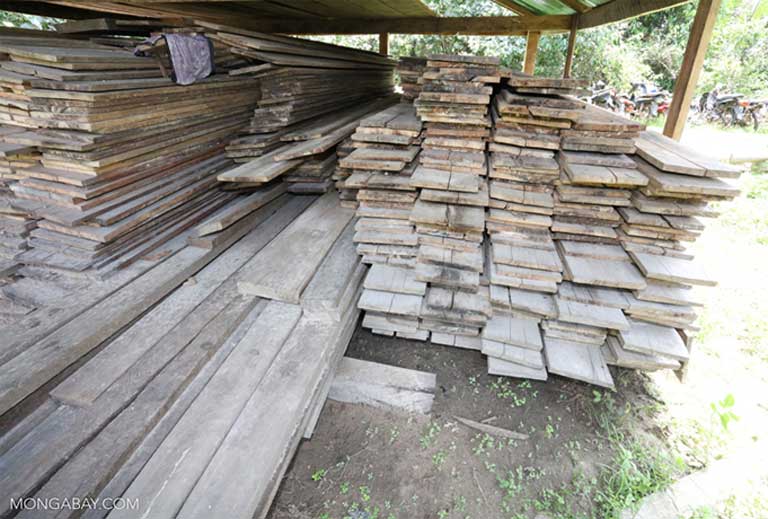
column 191, row 56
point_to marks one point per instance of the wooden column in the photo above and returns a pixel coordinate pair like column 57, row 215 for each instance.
column 384, row 43
column 532, row 45
column 571, row 46
column 693, row 59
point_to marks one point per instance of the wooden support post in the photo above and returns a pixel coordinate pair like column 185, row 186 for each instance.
column 571, row 46
column 693, row 59
column 384, row 43
column 532, row 45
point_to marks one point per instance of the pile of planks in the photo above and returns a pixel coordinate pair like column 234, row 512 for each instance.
column 152, row 388
column 306, row 107
column 127, row 159
column 15, row 222
column 571, row 256
column 523, row 266
column 409, row 70
column 450, row 212
column 300, row 81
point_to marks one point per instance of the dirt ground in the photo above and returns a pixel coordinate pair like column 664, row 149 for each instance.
column 366, row 463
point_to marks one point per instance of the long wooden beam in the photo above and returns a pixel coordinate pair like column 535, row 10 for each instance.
column 384, row 43
column 531, row 48
column 618, row 10
column 473, row 25
column 576, row 5
column 571, row 47
column 693, row 59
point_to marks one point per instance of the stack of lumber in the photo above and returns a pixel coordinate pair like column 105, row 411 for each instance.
column 386, row 148
column 127, row 161
column 157, row 390
column 348, row 195
column 598, row 177
column 523, row 265
column 303, row 85
column 312, row 96
column 410, row 69
column 16, row 220
column 452, row 177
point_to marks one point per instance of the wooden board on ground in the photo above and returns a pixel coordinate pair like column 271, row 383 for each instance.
column 380, row 385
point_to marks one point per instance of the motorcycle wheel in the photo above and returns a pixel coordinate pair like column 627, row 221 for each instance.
column 726, row 118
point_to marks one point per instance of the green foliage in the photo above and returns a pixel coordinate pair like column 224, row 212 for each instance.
column 27, row 21
column 722, row 410
column 636, row 471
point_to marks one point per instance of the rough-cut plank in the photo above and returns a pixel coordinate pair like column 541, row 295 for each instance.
column 379, row 385
column 43, row 360
column 618, row 274
column 509, row 353
column 273, row 416
column 510, row 369
column 653, row 339
column 194, row 441
column 675, row 270
column 578, row 361
column 591, row 315
column 284, row 267
column 516, row 331
column 400, row 280
column 339, row 269
column 634, row 360
column 238, row 209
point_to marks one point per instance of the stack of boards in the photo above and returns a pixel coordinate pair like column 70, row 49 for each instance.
column 158, row 390
column 126, row 159
column 312, row 95
column 437, row 290
column 385, row 152
column 586, row 218
column 16, row 223
column 409, row 70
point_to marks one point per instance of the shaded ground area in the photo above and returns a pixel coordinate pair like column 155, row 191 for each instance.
column 395, row 465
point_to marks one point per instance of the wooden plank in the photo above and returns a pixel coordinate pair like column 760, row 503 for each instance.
column 340, row 268
column 652, row 339
column 578, row 361
column 93, row 378
column 399, row 280
column 89, row 470
column 516, row 331
column 192, row 444
column 239, row 209
column 617, row 274
column 274, row 415
column 43, row 360
column 510, row 369
column 380, row 385
column 674, row 270
column 591, row 315
column 284, row 267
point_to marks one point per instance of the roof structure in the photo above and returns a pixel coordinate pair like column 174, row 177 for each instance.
column 357, row 16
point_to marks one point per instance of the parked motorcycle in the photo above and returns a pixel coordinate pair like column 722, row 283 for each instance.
column 649, row 100
column 730, row 109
